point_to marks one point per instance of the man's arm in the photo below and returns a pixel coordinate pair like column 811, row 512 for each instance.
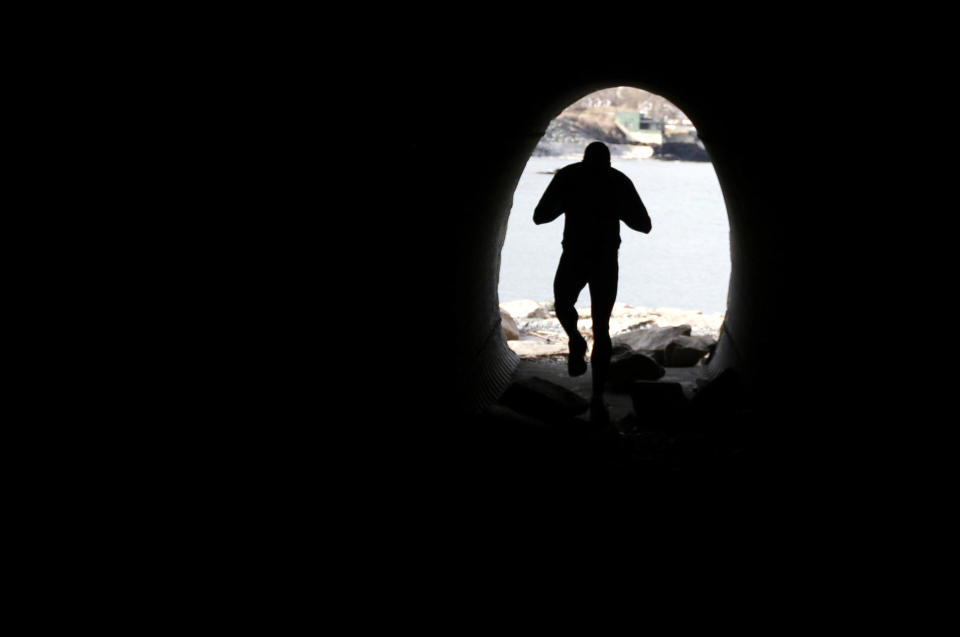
column 632, row 211
column 551, row 203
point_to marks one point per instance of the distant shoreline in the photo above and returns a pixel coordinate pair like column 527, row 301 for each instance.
column 625, row 152
column 574, row 151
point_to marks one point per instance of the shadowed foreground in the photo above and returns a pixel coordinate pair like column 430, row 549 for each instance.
column 681, row 428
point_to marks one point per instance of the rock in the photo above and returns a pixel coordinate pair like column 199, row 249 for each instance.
column 540, row 399
column 545, row 311
column 619, row 349
column 534, row 347
column 651, row 339
column 658, row 401
column 687, row 351
column 510, row 330
column 627, row 366
column 699, row 322
column 526, row 308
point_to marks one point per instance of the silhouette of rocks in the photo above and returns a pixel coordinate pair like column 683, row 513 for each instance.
column 651, row 339
column 627, row 366
column 540, row 333
column 700, row 322
column 687, row 351
column 543, row 400
column 510, row 330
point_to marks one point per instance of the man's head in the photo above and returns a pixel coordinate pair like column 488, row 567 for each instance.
column 596, row 155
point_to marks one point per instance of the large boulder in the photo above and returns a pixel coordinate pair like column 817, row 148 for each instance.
column 543, row 400
column 651, row 339
column 687, row 351
column 627, row 366
column 510, row 330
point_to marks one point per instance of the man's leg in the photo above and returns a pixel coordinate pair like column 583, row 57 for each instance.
column 569, row 281
column 603, row 294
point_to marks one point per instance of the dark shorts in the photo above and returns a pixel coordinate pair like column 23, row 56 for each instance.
column 600, row 271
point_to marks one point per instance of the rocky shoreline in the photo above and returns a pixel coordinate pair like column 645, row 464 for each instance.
column 573, row 151
column 569, row 133
column 668, row 335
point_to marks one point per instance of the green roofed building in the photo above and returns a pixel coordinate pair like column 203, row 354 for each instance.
column 640, row 128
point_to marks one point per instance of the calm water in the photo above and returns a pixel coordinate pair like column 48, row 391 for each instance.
column 684, row 262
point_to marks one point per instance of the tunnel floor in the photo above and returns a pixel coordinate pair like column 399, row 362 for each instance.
column 619, row 404
column 627, row 447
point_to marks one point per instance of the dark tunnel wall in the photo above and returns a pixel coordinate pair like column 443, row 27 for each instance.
column 360, row 299
column 803, row 215
column 376, row 314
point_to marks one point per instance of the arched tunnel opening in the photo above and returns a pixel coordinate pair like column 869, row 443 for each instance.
column 672, row 286
column 534, row 261
column 678, row 276
column 652, row 392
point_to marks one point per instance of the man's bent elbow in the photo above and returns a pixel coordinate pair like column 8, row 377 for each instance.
column 541, row 216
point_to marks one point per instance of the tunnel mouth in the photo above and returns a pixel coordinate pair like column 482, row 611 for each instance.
column 749, row 384
column 677, row 275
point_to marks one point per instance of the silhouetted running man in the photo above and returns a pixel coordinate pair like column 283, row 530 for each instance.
column 595, row 198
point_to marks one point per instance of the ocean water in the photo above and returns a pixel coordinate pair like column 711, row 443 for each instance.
column 684, row 262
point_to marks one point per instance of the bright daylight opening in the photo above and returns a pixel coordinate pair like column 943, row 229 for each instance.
column 677, row 275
